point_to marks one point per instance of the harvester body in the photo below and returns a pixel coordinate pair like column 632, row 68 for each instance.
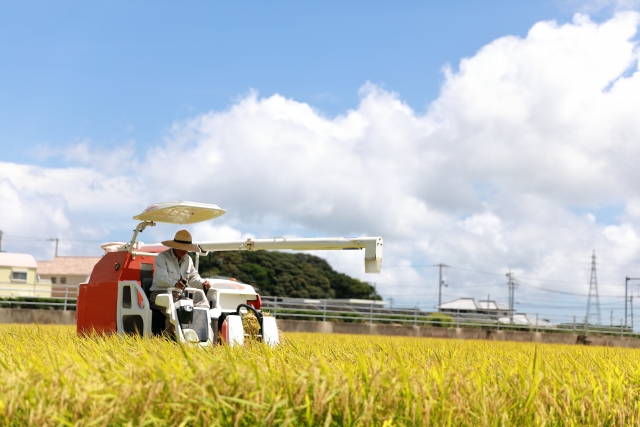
column 116, row 299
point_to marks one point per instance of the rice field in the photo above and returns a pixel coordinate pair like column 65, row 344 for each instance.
column 49, row 376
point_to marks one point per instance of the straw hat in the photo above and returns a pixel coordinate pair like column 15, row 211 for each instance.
column 182, row 241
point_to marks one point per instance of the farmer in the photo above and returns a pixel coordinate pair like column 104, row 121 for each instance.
column 174, row 268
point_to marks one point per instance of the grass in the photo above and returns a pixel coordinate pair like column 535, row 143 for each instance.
column 49, row 376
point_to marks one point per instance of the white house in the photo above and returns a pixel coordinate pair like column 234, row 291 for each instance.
column 526, row 320
column 473, row 306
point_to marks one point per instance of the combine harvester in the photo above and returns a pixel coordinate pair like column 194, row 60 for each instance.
column 116, row 298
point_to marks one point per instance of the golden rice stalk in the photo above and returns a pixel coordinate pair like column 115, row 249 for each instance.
column 50, row 376
column 250, row 324
column 252, row 327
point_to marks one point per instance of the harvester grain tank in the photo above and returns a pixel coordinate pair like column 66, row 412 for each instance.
column 116, row 297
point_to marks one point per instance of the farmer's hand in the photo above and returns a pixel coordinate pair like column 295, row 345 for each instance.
column 205, row 286
column 181, row 284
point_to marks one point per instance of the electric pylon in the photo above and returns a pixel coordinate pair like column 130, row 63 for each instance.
column 512, row 291
column 593, row 292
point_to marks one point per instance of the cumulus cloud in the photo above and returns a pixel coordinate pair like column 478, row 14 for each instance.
column 525, row 138
column 25, row 216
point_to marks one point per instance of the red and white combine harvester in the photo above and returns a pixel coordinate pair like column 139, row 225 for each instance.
column 116, row 298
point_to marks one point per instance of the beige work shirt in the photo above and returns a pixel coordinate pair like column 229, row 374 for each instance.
column 168, row 270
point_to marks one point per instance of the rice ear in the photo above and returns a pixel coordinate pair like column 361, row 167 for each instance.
column 252, row 327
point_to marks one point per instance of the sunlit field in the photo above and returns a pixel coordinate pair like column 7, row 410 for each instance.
column 49, row 376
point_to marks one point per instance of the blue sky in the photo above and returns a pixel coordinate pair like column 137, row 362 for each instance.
column 335, row 118
column 116, row 72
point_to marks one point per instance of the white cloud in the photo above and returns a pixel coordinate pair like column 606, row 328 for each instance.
column 24, row 217
column 523, row 133
column 592, row 6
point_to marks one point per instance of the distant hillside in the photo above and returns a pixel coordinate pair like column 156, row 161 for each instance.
column 282, row 274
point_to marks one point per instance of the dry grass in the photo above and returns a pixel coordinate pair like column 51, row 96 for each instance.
column 49, row 376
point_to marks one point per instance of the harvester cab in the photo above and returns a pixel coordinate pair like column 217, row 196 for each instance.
column 117, row 297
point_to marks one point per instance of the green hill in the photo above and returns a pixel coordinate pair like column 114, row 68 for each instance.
column 293, row 275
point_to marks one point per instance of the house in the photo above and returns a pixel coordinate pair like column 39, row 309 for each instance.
column 66, row 273
column 522, row 319
column 487, row 308
column 19, row 277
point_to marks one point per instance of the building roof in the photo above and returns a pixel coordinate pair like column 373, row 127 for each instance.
column 526, row 320
column 460, row 304
column 473, row 305
column 68, row 265
column 492, row 305
column 10, row 259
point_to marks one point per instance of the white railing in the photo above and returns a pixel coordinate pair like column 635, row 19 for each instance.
column 38, row 295
column 25, row 289
column 327, row 310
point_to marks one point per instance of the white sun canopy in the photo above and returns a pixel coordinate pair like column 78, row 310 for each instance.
column 180, row 212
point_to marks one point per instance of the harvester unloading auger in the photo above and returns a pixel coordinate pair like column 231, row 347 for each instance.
column 116, row 297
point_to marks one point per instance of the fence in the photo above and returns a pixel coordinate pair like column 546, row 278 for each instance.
column 38, row 296
column 323, row 310
column 24, row 289
column 332, row 311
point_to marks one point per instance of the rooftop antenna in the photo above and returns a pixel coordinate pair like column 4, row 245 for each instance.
column 593, row 292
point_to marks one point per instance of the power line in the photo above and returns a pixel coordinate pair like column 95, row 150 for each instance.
column 571, row 301
column 23, row 239
column 528, row 278
column 494, row 285
column 552, row 280
column 565, row 293
column 522, row 277
column 528, row 286
column 39, row 239
column 562, row 306
column 475, row 271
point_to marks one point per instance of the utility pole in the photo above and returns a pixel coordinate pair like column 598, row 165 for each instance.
column 626, row 292
column 55, row 240
column 440, row 283
column 0, row 240
column 631, row 306
column 512, row 290
column 593, row 292
column 611, row 319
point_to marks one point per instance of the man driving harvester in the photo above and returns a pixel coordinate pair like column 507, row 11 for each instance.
column 174, row 268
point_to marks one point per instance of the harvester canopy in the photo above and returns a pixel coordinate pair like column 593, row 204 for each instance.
column 180, row 212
